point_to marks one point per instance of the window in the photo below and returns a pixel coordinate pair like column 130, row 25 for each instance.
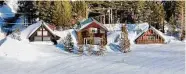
column 151, row 37
column 46, row 38
column 45, row 33
column 37, row 38
column 39, row 33
column 43, row 28
column 94, row 30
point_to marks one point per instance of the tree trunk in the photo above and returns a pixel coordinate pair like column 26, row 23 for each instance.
column 182, row 25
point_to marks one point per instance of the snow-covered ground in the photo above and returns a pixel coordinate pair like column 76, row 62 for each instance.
column 28, row 58
column 22, row 57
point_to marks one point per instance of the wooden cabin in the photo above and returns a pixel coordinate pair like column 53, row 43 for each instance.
column 42, row 32
column 150, row 36
column 92, row 32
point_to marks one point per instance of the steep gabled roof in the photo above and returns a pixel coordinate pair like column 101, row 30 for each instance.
column 83, row 24
column 25, row 34
column 155, row 30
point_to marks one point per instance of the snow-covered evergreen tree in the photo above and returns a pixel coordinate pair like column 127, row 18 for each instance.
column 124, row 41
column 68, row 43
column 101, row 50
column 16, row 35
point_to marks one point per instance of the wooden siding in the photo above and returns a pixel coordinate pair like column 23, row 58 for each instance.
column 149, row 37
column 93, row 25
column 86, row 33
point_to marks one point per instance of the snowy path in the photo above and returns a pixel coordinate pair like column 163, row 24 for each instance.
column 144, row 59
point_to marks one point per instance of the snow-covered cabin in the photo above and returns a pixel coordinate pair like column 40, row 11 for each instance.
column 91, row 27
column 143, row 33
column 39, row 31
column 150, row 36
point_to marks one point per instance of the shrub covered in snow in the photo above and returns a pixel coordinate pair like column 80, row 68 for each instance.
column 80, row 49
column 90, row 49
column 16, row 35
column 68, row 43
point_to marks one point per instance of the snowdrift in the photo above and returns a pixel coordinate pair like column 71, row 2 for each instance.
column 20, row 50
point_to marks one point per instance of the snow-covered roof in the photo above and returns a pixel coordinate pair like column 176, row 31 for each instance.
column 134, row 27
column 32, row 28
column 136, row 30
column 160, row 33
column 88, row 21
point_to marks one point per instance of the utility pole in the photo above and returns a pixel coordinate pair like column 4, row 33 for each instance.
column 111, row 16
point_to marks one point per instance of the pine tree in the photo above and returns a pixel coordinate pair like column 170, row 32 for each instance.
column 62, row 13
column 40, row 5
column 172, row 22
column 157, row 15
column 140, row 10
column 68, row 43
column 48, row 12
column 45, row 9
column 180, row 12
column 79, row 9
column 175, row 15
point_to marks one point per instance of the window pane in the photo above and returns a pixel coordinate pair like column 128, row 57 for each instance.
column 45, row 33
column 94, row 30
column 46, row 38
column 43, row 28
column 37, row 38
column 39, row 33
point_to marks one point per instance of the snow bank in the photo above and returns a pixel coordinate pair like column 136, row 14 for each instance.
column 19, row 50
column 143, row 59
